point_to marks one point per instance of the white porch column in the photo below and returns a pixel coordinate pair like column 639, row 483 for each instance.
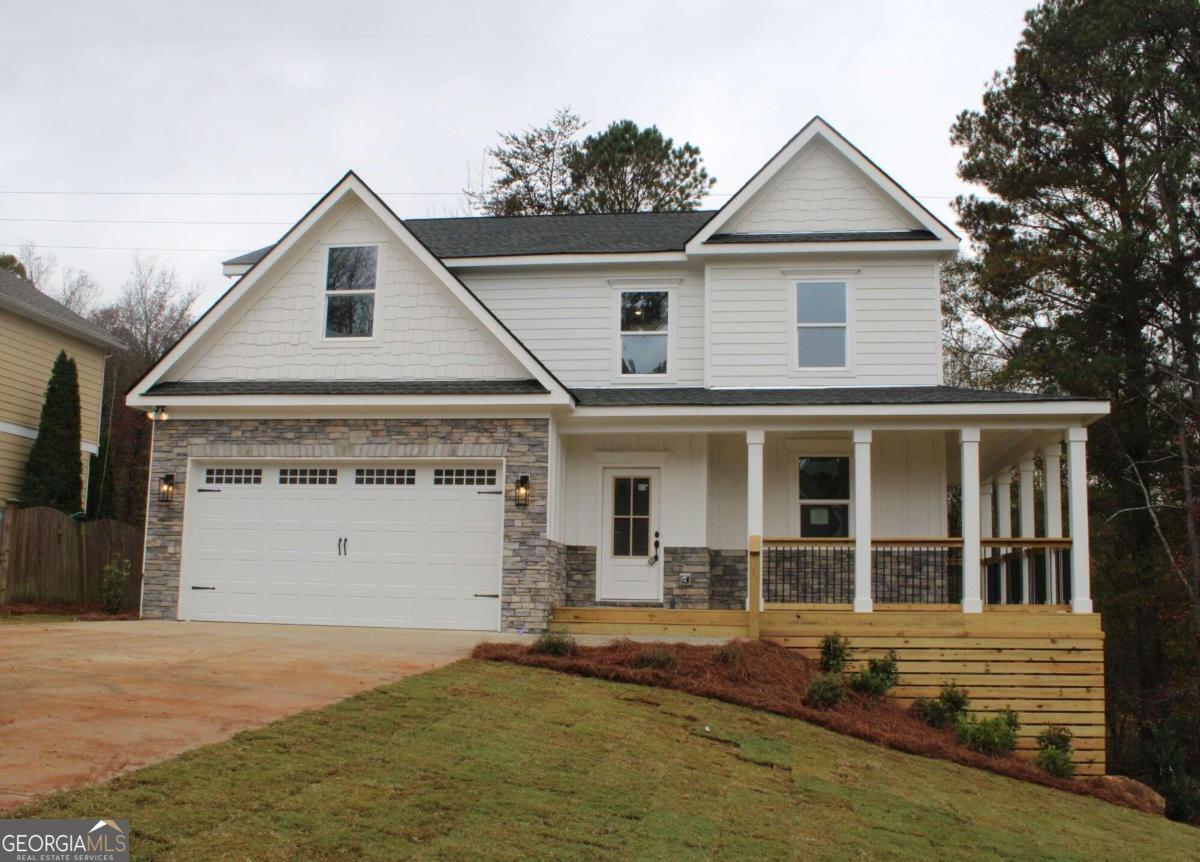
column 1004, row 525
column 987, row 498
column 754, row 493
column 862, row 521
column 1025, row 508
column 1052, row 498
column 1081, row 580
column 969, row 441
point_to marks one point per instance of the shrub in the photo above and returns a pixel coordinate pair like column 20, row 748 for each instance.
column 655, row 657
column 114, row 579
column 1055, row 736
column 879, row 677
column 835, row 653
column 825, row 691
column 553, row 643
column 996, row 735
column 729, row 654
column 946, row 709
column 1056, row 762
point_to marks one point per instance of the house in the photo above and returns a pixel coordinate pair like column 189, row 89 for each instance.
column 34, row 329
column 719, row 422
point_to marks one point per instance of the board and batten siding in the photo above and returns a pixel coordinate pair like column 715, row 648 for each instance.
column 27, row 353
column 908, row 483
column 895, row 323
column 567, row 318
column 422, row 332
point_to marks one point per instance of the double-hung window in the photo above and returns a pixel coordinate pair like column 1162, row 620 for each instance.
column 825, row 497
column 350, row 274
column 822, row 325
column 645, row 332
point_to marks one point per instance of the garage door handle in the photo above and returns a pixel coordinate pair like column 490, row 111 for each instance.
column 489, row 492
column 208, row 490
column 487, row 595
column 203, row 588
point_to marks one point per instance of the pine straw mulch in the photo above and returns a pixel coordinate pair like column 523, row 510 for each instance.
column 78, row 612
column 775, row 679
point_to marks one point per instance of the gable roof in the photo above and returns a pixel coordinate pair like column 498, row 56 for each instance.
column 814, row 129
column 22, row 298
column 350, row 184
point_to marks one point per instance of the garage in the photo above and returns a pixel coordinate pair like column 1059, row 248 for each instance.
column 403, row 544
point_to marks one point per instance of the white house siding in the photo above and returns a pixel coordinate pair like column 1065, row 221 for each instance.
column 421, row 331
column 684, row 492
column 819, row 191
column 567, row 318
column 908, row 483
column 895, row 329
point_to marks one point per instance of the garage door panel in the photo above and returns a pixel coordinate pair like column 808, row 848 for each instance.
column 417, row 553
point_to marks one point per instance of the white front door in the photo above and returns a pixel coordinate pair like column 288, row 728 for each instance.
column 630, row 547
column 414, row 544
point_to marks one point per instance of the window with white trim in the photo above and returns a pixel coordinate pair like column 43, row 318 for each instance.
column 645, row 332
column 350, row 273
column 822, row 324
column 385, row 476
column 308, row 475
column 233, row 476
column 464, row 476
column 825, row 497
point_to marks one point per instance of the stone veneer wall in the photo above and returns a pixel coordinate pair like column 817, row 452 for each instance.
column 533, row 581
column 718, row 579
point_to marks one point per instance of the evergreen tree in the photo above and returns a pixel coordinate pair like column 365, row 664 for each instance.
column 54, row 471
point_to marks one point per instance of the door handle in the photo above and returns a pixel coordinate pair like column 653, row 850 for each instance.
column 346, row 546
column 340, row 540
column 654, row 559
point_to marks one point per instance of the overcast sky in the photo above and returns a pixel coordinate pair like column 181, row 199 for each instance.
column 233, row 117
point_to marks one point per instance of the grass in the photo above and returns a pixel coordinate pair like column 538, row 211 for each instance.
column 485, row 760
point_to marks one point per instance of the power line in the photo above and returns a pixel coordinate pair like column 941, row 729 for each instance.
column 123, row 248
column 138, row 221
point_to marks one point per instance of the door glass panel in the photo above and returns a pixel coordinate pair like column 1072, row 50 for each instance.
column 631, row 516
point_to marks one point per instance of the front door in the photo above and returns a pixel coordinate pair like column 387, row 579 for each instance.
column 630, row 553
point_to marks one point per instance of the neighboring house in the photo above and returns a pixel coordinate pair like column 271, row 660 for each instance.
column 467, row 423
column 33, row 330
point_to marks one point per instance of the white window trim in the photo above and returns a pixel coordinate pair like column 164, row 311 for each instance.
column 816, row 447
column 621, row 287
column 794, row 280
column 371, row 340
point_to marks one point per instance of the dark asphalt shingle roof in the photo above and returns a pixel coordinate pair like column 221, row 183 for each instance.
column 348, row 387
column 697, row 396
column 21, row 297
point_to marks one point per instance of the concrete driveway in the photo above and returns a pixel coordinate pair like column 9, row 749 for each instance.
column 81, row 702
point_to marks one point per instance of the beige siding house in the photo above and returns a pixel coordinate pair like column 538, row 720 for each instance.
column 33, row 329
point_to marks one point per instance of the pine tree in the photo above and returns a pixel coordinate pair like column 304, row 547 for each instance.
column 54, row 471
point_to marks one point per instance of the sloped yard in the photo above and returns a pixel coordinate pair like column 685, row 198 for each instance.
column 495, row 761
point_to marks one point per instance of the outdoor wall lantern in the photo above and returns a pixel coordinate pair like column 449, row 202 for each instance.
column 158, row 414
column 521, row 490
column 166, row 488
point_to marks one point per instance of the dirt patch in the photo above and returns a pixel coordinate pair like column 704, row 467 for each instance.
column 775, row 679
column 77, row 612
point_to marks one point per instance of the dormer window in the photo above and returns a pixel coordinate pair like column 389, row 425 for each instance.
column 821, row 324
column 350, row 274
column 645, row 332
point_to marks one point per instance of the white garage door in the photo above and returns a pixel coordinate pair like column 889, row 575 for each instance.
column 399, row 544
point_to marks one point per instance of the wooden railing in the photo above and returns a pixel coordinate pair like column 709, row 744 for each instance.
column 1013, row 566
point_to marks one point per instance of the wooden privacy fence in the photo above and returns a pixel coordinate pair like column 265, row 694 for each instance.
column 47, row 557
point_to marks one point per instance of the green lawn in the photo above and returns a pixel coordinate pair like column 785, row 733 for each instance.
column 494, row 761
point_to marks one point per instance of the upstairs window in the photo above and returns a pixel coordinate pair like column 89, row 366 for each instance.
column 350, row 291
column 825, row 497
column 821, row 324
column 645, row 331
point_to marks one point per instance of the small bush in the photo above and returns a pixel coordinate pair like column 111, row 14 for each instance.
column 996, row 735
column 1056, row 762
column 114, row 579
column 553, row 643
column 945, row 710
column 879, row 677
column 729, row 654
column 1055, row 737
column 835, row 653
column 657, row 657
column 825, row 691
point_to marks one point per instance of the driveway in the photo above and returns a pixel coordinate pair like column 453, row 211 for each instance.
column 81, row 702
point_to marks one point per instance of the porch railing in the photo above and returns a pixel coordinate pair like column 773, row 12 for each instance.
column 914, row 571
column 1014, row 566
